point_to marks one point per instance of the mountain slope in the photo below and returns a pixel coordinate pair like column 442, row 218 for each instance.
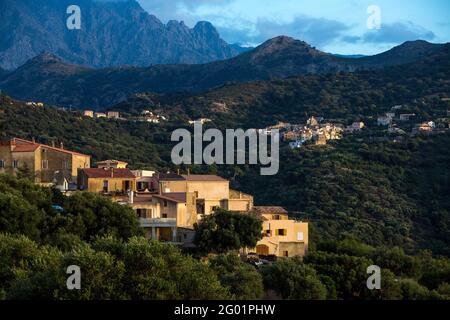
column 112, row 34
column 410, row 51
column 345, row 96
column 47, row 78
column 2, row 73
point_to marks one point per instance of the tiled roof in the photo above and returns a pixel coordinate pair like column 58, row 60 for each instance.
column 109, row 162
column 30, row 146
column 189, row 177
column 142, row 198
column 26, row 147
column 170, row 177
column 108, row 173
column 179, row 197
column 203, row 177
column 269, row 210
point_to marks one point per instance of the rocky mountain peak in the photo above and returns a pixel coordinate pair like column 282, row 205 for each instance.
column 113, row 33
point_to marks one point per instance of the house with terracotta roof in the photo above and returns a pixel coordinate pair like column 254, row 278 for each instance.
column 167, row 217
column 106, row 180
column 112, row 164
column 282, row 237
column 211, row 192
column 169, row 214
column 47, row 165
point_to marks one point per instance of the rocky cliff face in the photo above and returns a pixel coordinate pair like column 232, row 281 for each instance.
column 49, row 79
column 111, row 34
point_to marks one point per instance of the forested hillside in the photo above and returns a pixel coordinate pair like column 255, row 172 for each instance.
column 49, row 79
column 346, row 96
column 390, row 193
column 384, row 193
column 38, row 242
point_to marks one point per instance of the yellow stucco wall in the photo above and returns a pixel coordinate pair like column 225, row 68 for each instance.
column 25, row 159
column 290, row 242
column 210, row 190
column 60, row 164
column 240, row 204
column 114, row 184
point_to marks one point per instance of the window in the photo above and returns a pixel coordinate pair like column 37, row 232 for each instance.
column 214, row 208
column 281, row 232
column 165, row 203
column 164, row 215
column 276, row 217
column 286, row 253
column 2, row 164
column 142, row 213
column 65, row 164
column 15, row 164
column 105, row 185
column 300, row 236
column 267, row 233
column 44, row 164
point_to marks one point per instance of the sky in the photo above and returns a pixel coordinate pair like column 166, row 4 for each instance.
column 336, row 26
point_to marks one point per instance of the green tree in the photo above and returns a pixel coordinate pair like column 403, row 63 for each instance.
column 349, row 273
column 224, row 231
column 110, row 269
column 241, row 279
column 397, row 261
column 411, row 290
column 292, row 279
column 92, row 215
column 22, row 258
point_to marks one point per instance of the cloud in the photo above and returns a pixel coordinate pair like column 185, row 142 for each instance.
column 178, row 9
column 236, row 29
column 397, row 32
column 316, row 31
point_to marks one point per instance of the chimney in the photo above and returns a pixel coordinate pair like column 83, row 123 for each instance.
column 12, row 144
column 178, row 171
column 53, row 143
column 131, row 195
column 112, row 172
column 34, row 140
column 61, row 145
column 188, row 171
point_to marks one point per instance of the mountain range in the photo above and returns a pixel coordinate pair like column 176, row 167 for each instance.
column 49, row 79
column 113, row 33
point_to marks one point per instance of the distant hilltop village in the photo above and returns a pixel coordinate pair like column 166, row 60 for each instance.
column 316, row 130
column 167, row 204
column 394, row 124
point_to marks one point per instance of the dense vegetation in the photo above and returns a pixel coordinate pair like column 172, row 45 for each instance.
column 102, row 238
column 224, row 231
column 384, row 193
column 369, row 199
column 139, row 143
column 344, row 96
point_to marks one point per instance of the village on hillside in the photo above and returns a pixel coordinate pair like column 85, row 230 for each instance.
column 394, row 125
column 168, row 204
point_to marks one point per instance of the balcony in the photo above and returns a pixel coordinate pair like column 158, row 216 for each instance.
column 158, row 222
